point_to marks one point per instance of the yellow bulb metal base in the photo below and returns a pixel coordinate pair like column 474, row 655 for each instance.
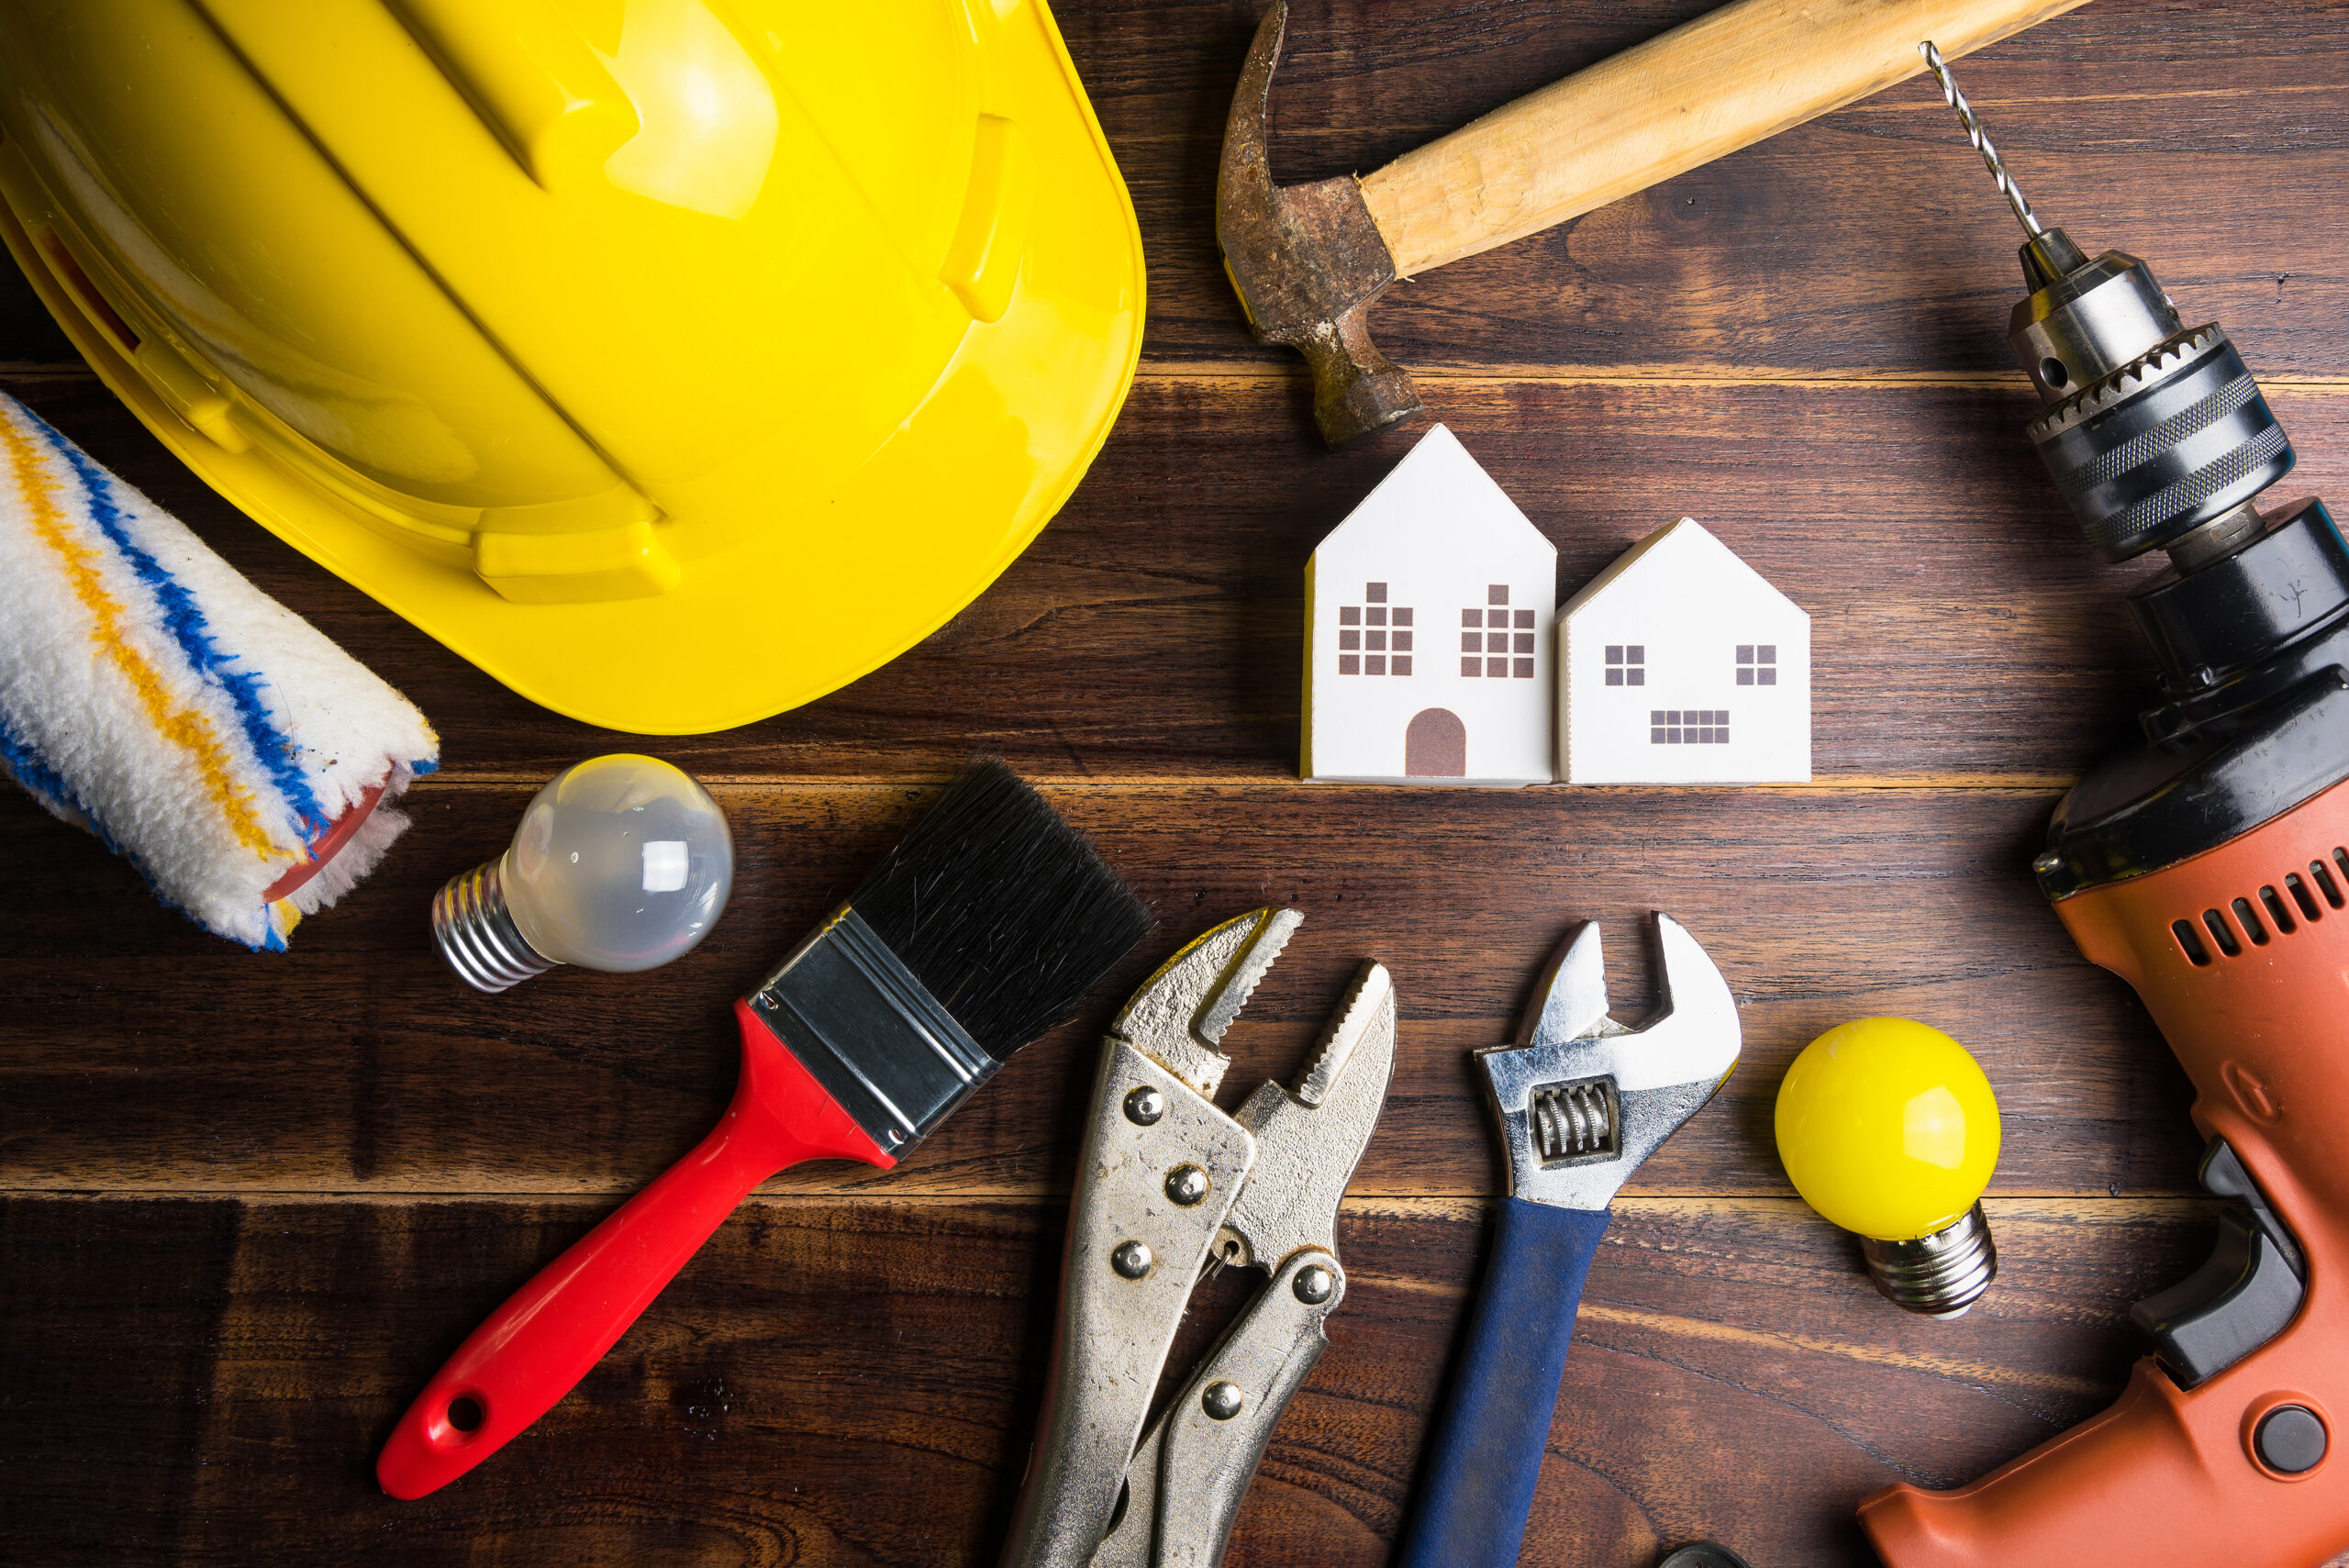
column 1940, row 1275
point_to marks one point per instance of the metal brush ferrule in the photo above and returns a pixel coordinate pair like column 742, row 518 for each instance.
column 1940, row 1275
column 476, row 934
column 871, row 1033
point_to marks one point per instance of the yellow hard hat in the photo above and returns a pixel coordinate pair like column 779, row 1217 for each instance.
column 674, row 360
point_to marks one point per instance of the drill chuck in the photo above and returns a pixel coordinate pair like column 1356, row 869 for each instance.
column 2153, row 430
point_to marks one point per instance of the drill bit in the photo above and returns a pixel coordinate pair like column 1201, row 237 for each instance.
column 1974, row 133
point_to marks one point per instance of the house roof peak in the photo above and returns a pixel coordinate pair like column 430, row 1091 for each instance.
column 1677, row 549
column 1438, row 496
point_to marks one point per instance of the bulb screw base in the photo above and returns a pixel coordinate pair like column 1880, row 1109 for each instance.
column 476, row 934
column 1940, row 1275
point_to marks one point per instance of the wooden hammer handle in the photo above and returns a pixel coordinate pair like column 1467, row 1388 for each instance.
column 1700, row 92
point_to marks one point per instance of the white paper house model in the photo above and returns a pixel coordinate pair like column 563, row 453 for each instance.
column 1681, row 664
column 1428, row 613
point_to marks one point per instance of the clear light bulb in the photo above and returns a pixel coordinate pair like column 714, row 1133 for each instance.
column 621, row 864
column 1890, row 1130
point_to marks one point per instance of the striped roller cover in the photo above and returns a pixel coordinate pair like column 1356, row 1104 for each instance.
column 206, row 733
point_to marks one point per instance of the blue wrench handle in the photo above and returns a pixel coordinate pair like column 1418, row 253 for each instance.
column 1496, row 1427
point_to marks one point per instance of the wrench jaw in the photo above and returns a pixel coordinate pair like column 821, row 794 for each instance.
column 1179, row 1015
column 1586, row 1100
column 1308, row 1140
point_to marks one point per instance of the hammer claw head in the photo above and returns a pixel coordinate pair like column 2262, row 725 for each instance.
column 1306, row 262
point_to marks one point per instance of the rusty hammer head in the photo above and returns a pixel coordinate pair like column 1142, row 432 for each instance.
column 1307, row 260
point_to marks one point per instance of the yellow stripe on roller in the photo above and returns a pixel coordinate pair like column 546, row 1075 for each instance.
column 185, row 727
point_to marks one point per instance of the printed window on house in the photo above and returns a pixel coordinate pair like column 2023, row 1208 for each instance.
column 1757, row 664
column 1374, row 637
column 1627, row 664
column 1496, row 643
column 1688, row 726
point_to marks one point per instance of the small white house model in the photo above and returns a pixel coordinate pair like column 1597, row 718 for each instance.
column 1681, row 664
column 1428, row 655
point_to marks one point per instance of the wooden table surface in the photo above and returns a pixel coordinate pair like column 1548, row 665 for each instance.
column 248, row 1203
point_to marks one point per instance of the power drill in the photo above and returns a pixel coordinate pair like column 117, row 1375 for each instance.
column 2210, row 869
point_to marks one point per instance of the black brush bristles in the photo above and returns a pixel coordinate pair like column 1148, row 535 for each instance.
column 1003, row 911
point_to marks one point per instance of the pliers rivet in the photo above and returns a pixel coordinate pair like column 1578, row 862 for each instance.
column 1186, row 1184
column 1222, row 1401
column 1145, row 1106
column 1314, row 1284
column 1131, row 1259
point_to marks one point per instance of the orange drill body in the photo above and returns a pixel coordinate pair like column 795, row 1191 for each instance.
column 2209, row 867
column 2170, row 1474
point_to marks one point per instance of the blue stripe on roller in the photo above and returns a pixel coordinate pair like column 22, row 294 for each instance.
column 1488, row 1444
column 183, row 616
column 31, row 769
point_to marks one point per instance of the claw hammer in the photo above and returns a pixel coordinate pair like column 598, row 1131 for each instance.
column 1308, row 260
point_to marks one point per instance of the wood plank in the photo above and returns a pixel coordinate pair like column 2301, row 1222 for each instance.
column 1870, row 239
column 1153, row 630
column 839, row 1383
column 138, row 1052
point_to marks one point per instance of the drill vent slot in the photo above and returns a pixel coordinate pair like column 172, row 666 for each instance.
column 2300, row 901
column 1577, row 1123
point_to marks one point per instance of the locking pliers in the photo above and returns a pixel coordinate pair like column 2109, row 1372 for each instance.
column 1167, row 1180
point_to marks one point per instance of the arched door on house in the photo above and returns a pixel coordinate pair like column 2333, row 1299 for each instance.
column 1436, row 745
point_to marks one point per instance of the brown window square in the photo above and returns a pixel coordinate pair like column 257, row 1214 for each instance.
column 1375, row 614
column 1349, row 663
column 1401, row 615
column 1637, row 654
column 1614, row 677
column 1522, row 669
column 1350, row 640
column 1400, row 642
column 1497, row 669
column 1495, row 618
column 1400, row 665
column 1350, row 615
column 1745, row 678
column 1525, row 621
column 1374, row 666
column 1745, row 653
column 1374, row 592
column 1471, row 618
column 1472, row 642
column 1521, row 642
column 1374, row 640
column 1496, row 643
column 1767, row 676
column 1472, row 667
column 1636, row 676
column 1614, row 653
column 1767, row 653
column 1497, row 593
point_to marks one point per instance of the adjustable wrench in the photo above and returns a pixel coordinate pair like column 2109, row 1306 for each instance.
column 1581, row 1102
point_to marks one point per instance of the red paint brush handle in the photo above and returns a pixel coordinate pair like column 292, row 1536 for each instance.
column 535, row 1349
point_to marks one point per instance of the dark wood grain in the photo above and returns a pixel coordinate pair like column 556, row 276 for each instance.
column 1153, row 629
column 852, row 1383
column 1823, row 906
column 247, row 1203
column 1868, row 241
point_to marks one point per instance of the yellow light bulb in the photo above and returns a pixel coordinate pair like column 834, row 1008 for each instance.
column 1888, row 1129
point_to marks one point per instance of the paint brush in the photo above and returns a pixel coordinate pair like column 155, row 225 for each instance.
column 983, row 927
